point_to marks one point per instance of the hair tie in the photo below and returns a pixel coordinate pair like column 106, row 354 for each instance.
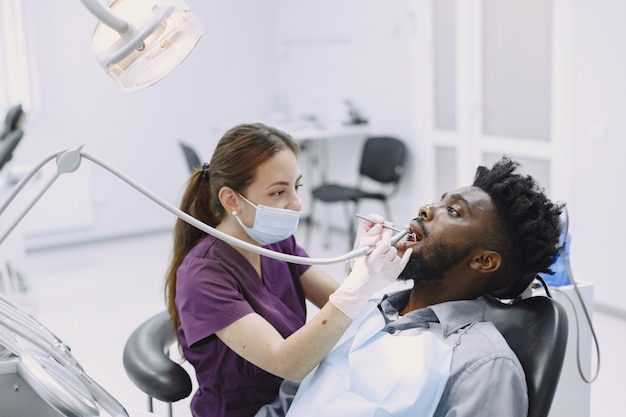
column 205, row 170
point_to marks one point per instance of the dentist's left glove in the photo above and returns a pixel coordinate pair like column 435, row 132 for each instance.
column 369, row 275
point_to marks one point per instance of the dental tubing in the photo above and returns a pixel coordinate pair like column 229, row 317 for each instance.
column 69, row 161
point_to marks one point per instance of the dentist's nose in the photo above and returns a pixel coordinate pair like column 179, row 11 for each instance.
column 295, row 203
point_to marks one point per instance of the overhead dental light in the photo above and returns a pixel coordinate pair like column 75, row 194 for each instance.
column 138, row 42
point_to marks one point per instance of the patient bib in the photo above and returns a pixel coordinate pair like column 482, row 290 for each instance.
column 373, row 373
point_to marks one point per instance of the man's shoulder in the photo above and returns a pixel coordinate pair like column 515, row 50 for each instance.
column 482, row 340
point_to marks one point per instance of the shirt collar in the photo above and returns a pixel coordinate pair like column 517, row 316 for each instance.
column 453, row 315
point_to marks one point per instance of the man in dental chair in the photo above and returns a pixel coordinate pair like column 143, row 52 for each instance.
column 428, row 351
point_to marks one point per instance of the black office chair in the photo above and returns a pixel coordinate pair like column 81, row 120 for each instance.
column 149, row 366
column 536, row 330
column 191, row 157
column 8, row 145
column 13, row 120
column 382, row 161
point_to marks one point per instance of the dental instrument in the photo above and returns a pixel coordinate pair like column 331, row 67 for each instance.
column 385, row 224
column 395, row 238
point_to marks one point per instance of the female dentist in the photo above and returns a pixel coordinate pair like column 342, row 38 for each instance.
column 240, row 317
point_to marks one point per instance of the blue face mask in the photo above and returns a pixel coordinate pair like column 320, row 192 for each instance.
column 271, row 224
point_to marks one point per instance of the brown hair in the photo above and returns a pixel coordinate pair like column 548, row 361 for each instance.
column 235, row 160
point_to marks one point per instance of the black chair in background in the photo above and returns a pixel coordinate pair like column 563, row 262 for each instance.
column 536, row 329
column 191, row 156
column 11, row 133
column 381, row 166
column 148, row 364
column 13, row 120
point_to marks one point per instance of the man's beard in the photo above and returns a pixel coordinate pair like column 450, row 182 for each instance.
column 427, row 267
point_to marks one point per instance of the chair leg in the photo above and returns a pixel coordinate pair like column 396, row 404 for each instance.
column 310, row 223
column 351, row 231
column 387, row 210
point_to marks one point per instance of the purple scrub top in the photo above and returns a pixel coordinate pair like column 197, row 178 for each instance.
column 217, row 286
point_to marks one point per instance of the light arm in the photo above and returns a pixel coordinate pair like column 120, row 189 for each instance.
column 105, row 16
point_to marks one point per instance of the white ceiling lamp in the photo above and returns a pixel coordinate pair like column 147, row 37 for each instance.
column 138, row 42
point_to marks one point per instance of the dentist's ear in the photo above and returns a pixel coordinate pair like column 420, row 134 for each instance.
column 228, row 198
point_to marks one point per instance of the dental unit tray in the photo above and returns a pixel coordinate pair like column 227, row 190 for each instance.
column 39, row 376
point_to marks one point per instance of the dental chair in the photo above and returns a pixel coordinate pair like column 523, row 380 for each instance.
column 381, row 168
column 148, row 364
column 535, row 329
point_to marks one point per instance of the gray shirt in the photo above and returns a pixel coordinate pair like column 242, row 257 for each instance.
column 486, row 378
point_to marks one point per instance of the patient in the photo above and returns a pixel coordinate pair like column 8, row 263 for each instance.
column 428, row 351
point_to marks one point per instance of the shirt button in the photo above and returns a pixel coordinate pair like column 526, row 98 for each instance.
column 391, row 329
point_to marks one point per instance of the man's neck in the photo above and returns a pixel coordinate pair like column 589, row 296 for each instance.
column 422, row 298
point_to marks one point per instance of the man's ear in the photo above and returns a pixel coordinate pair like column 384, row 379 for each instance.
column 486, row 261
column 228, row 198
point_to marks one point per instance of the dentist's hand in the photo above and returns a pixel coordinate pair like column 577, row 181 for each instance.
column 369, row 275
column 368, row 233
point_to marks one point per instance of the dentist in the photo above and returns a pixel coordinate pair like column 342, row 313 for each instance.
column 240, row 317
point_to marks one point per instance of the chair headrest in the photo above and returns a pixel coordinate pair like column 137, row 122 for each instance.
column 515, row 289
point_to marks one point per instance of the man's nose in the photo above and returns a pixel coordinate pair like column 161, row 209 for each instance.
column 426, row 211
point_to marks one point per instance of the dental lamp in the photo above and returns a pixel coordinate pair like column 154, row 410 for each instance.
column 138, row 42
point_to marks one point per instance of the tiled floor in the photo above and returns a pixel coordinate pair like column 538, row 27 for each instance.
column 94, row 295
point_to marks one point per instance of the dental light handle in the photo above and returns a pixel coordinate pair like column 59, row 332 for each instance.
column 30, row 329
column 69, row 161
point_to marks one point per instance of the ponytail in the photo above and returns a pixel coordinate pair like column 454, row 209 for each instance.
column 197, row 201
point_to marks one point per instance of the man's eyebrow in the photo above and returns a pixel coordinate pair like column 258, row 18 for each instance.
column 458, row 197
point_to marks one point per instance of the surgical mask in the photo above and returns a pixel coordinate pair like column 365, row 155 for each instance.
column 271, row 224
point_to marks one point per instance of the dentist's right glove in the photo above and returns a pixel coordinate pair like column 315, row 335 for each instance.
column 368, row 233
column 369, row 275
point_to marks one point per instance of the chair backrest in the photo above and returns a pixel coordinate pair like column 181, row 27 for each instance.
column 536, row 330
column 8, row 145
column 191, row 156
column 147, row 362
column 13, row 119
column 383, row 159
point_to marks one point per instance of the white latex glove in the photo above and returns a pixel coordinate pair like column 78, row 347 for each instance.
column 369, row 275
column 367, row 233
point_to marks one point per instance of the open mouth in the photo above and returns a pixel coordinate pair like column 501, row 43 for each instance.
column 417, row 233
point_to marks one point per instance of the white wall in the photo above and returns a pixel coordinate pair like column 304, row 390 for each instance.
column 363, row 51
column 599, row 142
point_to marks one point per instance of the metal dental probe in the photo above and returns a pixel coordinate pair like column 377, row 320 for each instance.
column 395, row 238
